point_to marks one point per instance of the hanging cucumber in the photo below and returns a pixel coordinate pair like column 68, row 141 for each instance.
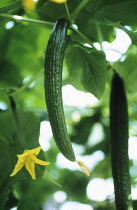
column 119, row 144
column 53, row 87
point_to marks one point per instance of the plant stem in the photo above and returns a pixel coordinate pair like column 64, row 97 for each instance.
column 83, row 36
column 100, row 38
column 22, row 19
column 78, row 44
column 46, row 176
column 44, row 23
column 68, row 13
column 17, row 123
column 79, row 8
column 19, row 90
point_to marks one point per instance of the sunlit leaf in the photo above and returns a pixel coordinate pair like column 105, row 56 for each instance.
column 89, row 69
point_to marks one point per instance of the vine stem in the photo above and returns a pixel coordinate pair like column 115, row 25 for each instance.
column 17, row 123
column 44, row 23
column 19, row 90
column 79, row 8
column 46, row 176
column 29, row 20
column 83, row 36
column 100, row 38
column 68, row 13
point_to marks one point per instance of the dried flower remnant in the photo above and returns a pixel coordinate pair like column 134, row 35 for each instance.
column 84, row 167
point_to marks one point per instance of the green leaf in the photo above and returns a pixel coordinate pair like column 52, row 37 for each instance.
column 88, row 69
column 32, row 194
column 122, row 11
column 4, row 191
column 128, row 69
column 5, row 2
column 22, row 50
column 10, row 147
column 9, row 75
column 131, row 34
column 83, row 128
column 52, row 11
column 90, row 28
column 8, row 5
column 76, row 184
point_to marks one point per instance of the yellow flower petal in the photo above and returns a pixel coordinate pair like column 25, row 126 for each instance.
column 84, row 168
column 29, row 152
column 22, row 157
column 38, row 161
column 35, row 151
column 30, row 166
column 29, row 159
column 17, row 168
column 59, row 1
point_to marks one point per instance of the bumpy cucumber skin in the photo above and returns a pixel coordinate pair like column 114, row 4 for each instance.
column 119, row 144
column 53, row 87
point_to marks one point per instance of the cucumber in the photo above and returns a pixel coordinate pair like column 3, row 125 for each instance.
column 119, row 144
column 53, row 87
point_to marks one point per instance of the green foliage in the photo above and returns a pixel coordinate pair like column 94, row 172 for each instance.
column 118, row 12
column 10, row 147
column 125, row 68
column 22, row 52
column 131, row 34
column 91, row 73
column 75, row 186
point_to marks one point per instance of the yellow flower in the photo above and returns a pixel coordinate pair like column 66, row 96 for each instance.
column 29, row 5
column 28, row 158
column 59, row 1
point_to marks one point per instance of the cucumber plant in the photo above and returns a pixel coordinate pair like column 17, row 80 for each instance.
column 53, row 87
column 119, row 143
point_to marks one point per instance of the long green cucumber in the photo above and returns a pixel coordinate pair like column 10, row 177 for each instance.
column 119, row 144
column 53, row 87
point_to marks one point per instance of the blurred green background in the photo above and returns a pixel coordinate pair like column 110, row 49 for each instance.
column 63, row 185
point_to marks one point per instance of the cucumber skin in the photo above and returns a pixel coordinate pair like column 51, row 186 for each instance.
column 53, row 87
column 119, row 144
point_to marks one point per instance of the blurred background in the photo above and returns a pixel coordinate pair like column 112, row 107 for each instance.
column 63, row 185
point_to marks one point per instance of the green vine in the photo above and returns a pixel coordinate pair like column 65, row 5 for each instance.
column 17, row 123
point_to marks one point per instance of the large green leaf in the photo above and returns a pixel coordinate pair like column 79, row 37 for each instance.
column 111, row 10
column 22, row 53
column 23, row 49
column 122, row 11
column 88, row 69
column 10, row 147
column 131, row 34
column 52, row 12
column 92, row 10
column 128, row 69
column 92, row 29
